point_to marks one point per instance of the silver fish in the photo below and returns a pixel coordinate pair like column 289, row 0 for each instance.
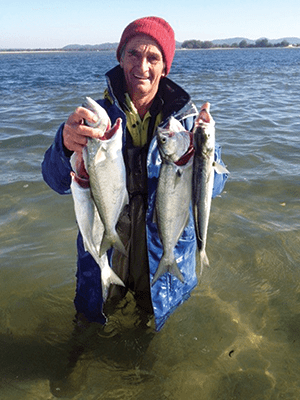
column 104, row 163
column 103, row 122
column 173, row 141
column 173, row 197
column 203, row 180
column 91, row 229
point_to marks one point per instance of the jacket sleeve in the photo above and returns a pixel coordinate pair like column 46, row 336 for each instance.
column 56, row 167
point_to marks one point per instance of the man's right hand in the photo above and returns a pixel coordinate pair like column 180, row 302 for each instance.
column 75, row 132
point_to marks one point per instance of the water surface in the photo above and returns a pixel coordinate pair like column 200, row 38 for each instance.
column 237, row 337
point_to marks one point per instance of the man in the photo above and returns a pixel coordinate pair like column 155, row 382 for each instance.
column 140, row 93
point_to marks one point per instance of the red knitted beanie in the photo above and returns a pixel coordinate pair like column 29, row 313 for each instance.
column 158, row 29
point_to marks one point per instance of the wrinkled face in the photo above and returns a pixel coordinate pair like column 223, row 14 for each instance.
column 143, row 65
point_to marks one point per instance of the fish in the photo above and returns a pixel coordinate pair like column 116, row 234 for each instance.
column 103, row 160
column 203, row 179
column 173, row 141
column 103, row 122
column 89, row 223
column 174, row 194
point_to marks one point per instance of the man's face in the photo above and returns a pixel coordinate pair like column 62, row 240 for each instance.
column 143, row 65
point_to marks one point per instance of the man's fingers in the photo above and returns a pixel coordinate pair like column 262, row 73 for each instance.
column 82, row 113
column 77, row 127
column 76, row 132
column 73, row 141
column 79, row 116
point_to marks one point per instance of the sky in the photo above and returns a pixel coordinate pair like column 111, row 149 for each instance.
column 57, row 23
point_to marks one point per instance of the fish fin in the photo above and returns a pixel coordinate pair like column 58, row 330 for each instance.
column 126, row 199
column 178, row 176
column 161, row 270
column 165, row 266
column 174, row 270
column 197, row 229
column 86, row 245
column 116, row 280
column 108, row 277
column 106, row 244
column 119, row 246
column 112, row 241
column 101, row 154
column 104, row 291
column 179, row 172
column 220, row 169
column 202, row 260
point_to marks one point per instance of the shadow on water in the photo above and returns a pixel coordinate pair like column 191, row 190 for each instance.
column 217, row 345
column 52, row 359
column 30, row 367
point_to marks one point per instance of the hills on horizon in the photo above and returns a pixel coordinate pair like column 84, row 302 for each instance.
column 229, row 41
column 291, row 40
column 114, row 45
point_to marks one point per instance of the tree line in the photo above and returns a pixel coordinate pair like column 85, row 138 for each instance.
column 198, row 44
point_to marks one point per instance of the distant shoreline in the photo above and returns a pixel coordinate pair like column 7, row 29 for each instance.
column 33, row 51
column 191, row 44
column 113, row 50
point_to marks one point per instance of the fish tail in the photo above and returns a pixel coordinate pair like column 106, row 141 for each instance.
column 111, row 279
column 115, row 279
column 105, row 245
column 166, row 266
column 105, row 288
column 202, row 260
column 109, row 241
column 117, row 244
column 108, row 276
column 161, row 270
column 176, row 271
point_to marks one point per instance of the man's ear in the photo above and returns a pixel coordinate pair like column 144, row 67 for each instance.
column 122, row 57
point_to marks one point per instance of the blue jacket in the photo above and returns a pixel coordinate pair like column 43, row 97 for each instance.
column 168, row 292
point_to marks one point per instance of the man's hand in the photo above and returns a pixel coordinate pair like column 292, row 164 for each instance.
column 75, row 131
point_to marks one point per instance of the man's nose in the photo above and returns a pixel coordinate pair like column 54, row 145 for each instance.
column 143, row 64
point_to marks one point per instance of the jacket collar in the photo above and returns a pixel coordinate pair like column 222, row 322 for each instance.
column 170, row 98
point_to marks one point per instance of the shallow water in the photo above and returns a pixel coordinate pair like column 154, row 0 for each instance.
column 237, row 337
